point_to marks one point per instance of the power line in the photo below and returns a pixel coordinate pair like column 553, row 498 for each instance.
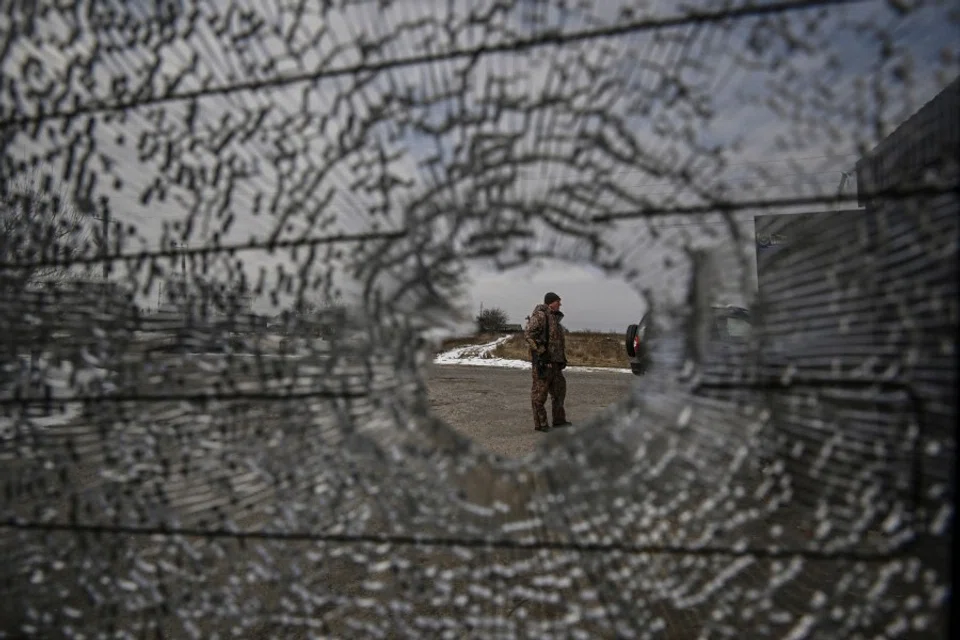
column 207, row 250
column 731, row 206
column 763, row 184
column 651, row 212
column 475, row 543
column 199, row 397
column 670, row 183
column 551, row 38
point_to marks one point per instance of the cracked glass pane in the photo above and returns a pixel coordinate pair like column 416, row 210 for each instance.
column 237, row 241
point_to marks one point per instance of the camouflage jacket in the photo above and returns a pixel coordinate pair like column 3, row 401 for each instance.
column 533, row 334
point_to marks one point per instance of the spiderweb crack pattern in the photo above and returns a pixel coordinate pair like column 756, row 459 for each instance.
column 191, row 472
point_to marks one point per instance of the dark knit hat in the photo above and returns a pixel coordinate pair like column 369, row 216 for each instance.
column 550, row 297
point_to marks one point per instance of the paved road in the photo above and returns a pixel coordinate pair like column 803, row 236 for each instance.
column 492, row 405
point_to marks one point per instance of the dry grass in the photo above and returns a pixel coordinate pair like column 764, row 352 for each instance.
column 584, row 349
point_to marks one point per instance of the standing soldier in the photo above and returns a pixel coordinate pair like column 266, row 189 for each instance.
column 545, row 337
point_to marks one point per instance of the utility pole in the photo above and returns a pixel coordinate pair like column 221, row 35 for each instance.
column 843, row 182
column 179, row 289
column 104, row 219
column 182, row 246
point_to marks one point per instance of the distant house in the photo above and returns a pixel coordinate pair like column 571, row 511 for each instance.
column 201, row 301
column 60, row 298
column 70, row 316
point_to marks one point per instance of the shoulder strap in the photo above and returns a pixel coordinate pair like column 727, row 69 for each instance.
column 546, row 329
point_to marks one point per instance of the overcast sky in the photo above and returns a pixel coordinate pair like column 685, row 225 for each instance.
column 591, row 299
column 787, row 121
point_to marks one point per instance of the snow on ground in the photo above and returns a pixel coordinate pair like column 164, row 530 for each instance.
column 481, row 355
column 472, row 352
column 63, row 382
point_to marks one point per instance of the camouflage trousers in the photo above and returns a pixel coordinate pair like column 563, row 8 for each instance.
column 554, row 385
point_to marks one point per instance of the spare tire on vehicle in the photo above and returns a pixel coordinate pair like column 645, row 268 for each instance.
column 631, row 334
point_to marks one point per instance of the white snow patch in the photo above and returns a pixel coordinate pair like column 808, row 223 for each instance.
column 480, row 356
column 57, row 376
column 471, row 352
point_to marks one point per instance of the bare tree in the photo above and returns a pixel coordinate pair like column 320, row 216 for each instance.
column 491, row 319
column 37, row 224
column 40, row 233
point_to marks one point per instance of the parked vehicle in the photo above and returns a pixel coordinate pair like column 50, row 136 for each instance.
column 730, row 329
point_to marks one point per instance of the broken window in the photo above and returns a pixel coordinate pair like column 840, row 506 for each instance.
column 279, row 469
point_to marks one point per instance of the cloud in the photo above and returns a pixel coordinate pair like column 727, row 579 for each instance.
column 513, row 152
column 592, row 300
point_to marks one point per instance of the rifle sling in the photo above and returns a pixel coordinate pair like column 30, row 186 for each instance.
column 546, row 334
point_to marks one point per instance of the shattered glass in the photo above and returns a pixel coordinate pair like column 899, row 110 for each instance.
column 228, row 230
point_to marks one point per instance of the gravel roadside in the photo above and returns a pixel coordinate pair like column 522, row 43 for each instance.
column 492, row 405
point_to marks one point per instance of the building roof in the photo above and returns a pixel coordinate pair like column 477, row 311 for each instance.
column 926, row 139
